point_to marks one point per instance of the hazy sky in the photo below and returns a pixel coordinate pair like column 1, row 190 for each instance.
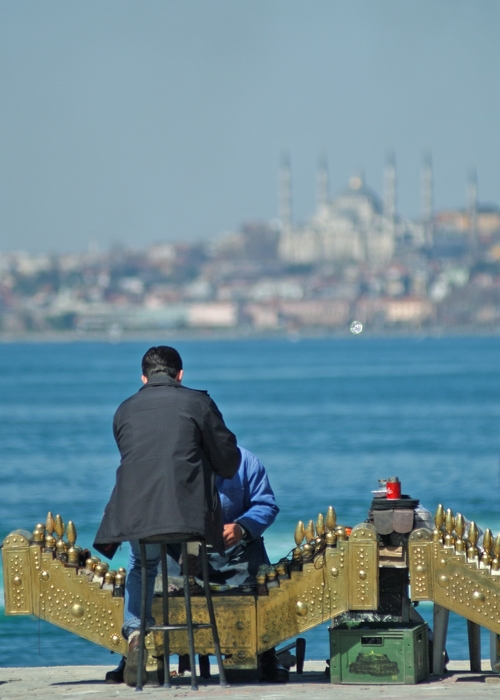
column 138, row 121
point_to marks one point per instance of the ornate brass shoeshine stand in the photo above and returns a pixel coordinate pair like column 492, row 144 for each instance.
column 328, row 574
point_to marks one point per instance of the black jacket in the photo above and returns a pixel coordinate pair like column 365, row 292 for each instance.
column 173, row 442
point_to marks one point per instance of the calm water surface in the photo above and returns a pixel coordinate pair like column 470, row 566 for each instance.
column 327, row 417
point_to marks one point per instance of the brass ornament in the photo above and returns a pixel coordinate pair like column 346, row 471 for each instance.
column 299, row 533
column 341, row 533
column 59, row 526
column 309, row 532
column 439, row 516
column 449, row 525
column 331, row 539
column 299, row 538
column 437, row 534
column 39, row 535
column 495, row 564
column 77, row 610
column 472, row 550
column 301, row 609
column 49, row 523
column 486, row 558
column 460, row 545
column 331, row 519
column 320, row 525
column 488, row 540
column 71, row 533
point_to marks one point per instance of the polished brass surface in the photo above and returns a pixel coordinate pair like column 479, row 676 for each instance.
column 299, row 533
column 341, row 533
column 39, row 535
column 320, row 525
column 309, row 531
column 330, row 538
column 439, row 516
column 236, row 624
column 59, row 526
column 460, row 545
column 495, row 564
column 488, row 540
column 363, row 562
column 463, row 587
column 437, row 533
column 49, row 523
column 331, row 519
column 449, row 525
column 71, row 533
column 486, row 558
column 18, row 578
column 472, row 536
column 330, row 574
column 37, row 583
column 73, row 555
column 50, row 543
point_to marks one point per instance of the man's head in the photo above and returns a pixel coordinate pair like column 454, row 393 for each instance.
column 162, row 360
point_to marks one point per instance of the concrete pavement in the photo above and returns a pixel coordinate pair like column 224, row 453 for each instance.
column 57, row 682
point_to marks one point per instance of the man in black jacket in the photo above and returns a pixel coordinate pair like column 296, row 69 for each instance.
column 173, row 442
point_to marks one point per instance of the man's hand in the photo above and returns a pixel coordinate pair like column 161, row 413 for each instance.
column 232, row 534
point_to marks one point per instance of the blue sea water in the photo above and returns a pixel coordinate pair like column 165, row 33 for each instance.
column 328, row 417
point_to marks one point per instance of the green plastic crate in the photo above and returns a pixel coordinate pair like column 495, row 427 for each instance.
column 376, row 653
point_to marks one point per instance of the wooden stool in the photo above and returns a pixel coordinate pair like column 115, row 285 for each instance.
column 164, row 541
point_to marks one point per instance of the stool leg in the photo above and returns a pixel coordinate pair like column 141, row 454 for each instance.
column 166, row 634
column 142, row 635
column 211, row 614
column 189, row 617
column 474, row 635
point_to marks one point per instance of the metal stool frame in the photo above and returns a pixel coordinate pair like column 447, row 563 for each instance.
column 163, row 541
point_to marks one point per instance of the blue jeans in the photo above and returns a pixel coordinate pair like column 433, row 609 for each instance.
column 132, row 608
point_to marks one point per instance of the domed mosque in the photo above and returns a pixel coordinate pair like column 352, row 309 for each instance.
column 353, row 227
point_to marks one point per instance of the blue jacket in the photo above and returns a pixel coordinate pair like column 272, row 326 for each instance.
column 248, row 498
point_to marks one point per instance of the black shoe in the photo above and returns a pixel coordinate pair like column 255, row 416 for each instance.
column 271, row 670
column 116, row 675
column 278, row 674
column 204, row 663
column 184, row 664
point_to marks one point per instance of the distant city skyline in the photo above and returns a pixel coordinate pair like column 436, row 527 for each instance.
column 132, row 123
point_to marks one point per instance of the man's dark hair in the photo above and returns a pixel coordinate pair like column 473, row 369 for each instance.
column 161, row 360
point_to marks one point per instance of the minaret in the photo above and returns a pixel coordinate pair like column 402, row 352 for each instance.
column 285, row 193
column 323, row 183
column 428, row 200
column 390, row 191
column 472, row 204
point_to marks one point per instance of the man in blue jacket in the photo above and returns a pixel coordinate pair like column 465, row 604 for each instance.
column 248, row 509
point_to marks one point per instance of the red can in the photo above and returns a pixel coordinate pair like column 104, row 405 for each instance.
column 393, row 487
